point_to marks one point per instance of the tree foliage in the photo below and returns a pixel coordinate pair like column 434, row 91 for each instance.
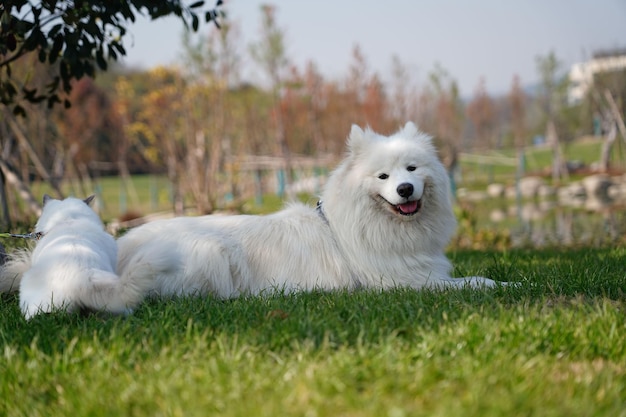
column 517, row 102
column 481, row 111
column 76, row 37
column 220, row 140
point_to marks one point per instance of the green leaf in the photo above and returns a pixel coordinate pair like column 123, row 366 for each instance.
column 53, row 85
column 64, row 71
column 89, row 69
column 112, row 53
column 55, row 51
column 52, row 100
column 118, row 47
column 11, row 42
column 9, row 88
column 102, row 63
column 55, row 30
column 29, row 93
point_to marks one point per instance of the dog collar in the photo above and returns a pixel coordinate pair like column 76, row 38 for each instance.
column 320, row 211
column 32, row 235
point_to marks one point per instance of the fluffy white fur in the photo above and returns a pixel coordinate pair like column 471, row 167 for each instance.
column 385, row 220
column 73, row 265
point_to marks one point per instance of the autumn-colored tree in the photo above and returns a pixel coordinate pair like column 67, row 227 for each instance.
column 517, row 104
column 481, row 112
column 443, row 103
column 292, row 107
column 606, row 101
column 28, row 145
column 212, row 66
column 72, row 39
column 252, row 109
column 66, row 42
column 337, row 115
column 375, row 105
column 402, row 105
column 355, row 87
column 91, row 132
column 315, row 99
column 270, row 54
column 552, row 100
column 160, row 134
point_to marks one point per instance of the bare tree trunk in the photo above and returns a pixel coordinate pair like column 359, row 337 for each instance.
column 231, row 168
column 127, row 181
column 195, row 156
column 558, row 165
column 72, row 170
column 199, row 171
column 281, row 139
column 605, row 155
column 23, row 191
column 85, row 179
column 616, row 114
column 174, row 178
column 41, row 170
column 5, row 218
column 212, row 168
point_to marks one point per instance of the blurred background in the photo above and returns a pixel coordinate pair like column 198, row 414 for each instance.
column 526, row 101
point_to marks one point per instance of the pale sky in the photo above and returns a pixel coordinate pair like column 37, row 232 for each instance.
column 494, row 39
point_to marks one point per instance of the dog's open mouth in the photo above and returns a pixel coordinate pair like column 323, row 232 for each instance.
column 405, row 209
column 409, row 208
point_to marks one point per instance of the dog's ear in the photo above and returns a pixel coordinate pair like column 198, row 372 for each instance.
column 356, row 138
column 46, row 198
column 356, row 133
column 410, row 130
column 89, row 199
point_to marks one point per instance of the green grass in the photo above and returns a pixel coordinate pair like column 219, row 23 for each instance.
column 554, row 346
column 538, row 160
column 153, row 194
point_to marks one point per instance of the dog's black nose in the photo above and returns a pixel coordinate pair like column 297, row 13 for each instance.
column 405, row 189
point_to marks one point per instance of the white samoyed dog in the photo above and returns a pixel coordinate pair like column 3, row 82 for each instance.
column 384, row 220
column 73, row 265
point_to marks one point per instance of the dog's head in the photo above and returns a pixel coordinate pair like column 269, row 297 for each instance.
column 400, row 172
column 57, row 212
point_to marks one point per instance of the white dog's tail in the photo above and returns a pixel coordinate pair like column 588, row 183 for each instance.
column 119, row 295
column 11, row 272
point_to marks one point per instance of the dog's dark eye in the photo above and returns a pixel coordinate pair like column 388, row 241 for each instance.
column 411, row 168
column 383, row 176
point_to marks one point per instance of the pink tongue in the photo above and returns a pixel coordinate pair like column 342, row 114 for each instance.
column 409, row 207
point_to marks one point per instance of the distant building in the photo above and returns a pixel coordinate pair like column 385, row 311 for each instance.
column 581, row 74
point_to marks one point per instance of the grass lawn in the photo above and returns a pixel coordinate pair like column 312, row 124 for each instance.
column 554, row 346
column 477, row 174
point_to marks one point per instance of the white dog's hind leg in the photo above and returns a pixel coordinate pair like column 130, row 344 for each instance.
column 104, row 291
column 108, row 292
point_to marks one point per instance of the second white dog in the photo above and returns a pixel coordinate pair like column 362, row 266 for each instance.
column 73, row 265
